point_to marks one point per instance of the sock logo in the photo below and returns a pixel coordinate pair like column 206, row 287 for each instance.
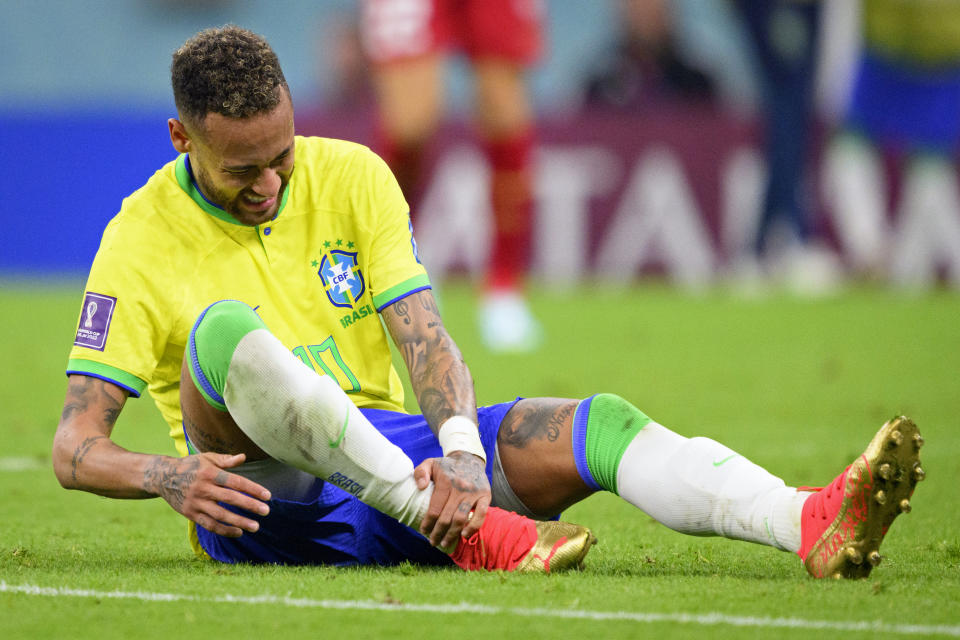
column 343, row 430
column 346, row 483
column 719, row 463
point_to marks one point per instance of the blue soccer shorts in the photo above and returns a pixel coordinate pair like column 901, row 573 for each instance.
column 326, row 525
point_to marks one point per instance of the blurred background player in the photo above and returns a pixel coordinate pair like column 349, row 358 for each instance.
column 406, row 41
column 785, row 38
column 905, row 102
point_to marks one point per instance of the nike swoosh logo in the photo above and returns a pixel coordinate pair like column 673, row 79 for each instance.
column 343, row 430
column 717, row 463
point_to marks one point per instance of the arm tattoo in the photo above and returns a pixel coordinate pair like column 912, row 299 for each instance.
column 80, row 394
column 430, row 305
column 438, row 374
column 413, row 354
column 113, row 406
column 170, row 478
column 77, row 399
column 435, row 394
column 535, row 420
column 403, row 310
column 81, row 452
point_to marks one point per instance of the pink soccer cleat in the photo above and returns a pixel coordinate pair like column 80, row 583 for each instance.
column 843, row 524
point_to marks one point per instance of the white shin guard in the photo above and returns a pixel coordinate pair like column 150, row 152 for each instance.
column 307, row 421
column 700, row 487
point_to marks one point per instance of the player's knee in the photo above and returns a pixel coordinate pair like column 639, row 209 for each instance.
column 211, row 344
column 226, row 315
column 610, row 412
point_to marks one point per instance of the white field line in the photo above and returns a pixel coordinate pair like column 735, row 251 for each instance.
column 22, row 463
column 701, row 619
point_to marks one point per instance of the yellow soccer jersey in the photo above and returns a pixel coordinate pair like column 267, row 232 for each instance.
column 340, row 249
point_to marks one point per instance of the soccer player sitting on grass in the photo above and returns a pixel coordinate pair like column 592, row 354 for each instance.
column 248, row 297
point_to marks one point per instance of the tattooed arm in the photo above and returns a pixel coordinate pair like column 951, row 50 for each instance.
column 444, row 388
column 84, row 457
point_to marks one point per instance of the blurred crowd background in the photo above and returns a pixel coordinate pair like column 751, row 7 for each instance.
column 791, row 143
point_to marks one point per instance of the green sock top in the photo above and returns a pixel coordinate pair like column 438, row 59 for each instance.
column 213, row 339
column 611, row 426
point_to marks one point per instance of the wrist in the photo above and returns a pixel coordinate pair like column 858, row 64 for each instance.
column 460, row 433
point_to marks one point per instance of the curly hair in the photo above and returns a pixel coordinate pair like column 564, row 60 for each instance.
column 226, row 70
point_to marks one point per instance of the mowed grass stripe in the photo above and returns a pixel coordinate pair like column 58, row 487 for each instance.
column 698, row 619
column 23, row 463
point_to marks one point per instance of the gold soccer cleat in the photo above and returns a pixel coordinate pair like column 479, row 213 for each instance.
column 843, row 524
column 560, row 546
column 511, row 542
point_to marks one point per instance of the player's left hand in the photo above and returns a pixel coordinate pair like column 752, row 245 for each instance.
column 460, row 489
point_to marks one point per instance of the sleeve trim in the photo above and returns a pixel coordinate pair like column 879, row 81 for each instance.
column 402, row 290
column 119, row 377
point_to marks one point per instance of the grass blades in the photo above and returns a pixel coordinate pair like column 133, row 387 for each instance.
column 798, row 386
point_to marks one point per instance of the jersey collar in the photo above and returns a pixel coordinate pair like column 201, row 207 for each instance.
column 189, row 186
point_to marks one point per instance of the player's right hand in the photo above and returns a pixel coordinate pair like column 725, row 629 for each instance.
column 195, row 484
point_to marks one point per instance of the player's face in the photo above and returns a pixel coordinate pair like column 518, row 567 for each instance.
column 245, row 164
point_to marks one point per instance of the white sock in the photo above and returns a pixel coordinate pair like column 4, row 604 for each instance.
column 307, row 421
column 700, row 487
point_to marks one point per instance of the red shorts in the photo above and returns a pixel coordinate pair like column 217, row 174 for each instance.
column 395, row 30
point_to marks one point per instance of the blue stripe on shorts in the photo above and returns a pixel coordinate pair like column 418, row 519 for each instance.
column 332, row 527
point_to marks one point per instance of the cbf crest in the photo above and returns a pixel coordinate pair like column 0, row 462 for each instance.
column 341, row 276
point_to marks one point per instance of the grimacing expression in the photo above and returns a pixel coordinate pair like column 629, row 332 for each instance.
column 244, row 164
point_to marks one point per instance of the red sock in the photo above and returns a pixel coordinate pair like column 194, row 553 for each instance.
column 512, row 202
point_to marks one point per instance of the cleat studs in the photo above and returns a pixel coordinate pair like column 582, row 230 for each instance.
column 880, row 497
column 874, row 558
column 918, row 473
column 905, row 506
column 895, row 439
column 917, row 440
column 885, row 471
column 853, row 555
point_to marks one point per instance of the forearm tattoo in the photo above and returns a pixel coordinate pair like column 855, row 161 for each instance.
column 170, row 478
column 436, row 395
column 438, row 374
column 540, row 420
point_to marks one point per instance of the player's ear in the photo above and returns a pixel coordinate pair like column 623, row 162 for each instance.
column 179, row 136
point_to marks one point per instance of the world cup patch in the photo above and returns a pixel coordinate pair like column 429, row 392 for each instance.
column 95, row 316
column 341, row 276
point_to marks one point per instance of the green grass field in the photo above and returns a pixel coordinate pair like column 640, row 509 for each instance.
column 798, row 386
